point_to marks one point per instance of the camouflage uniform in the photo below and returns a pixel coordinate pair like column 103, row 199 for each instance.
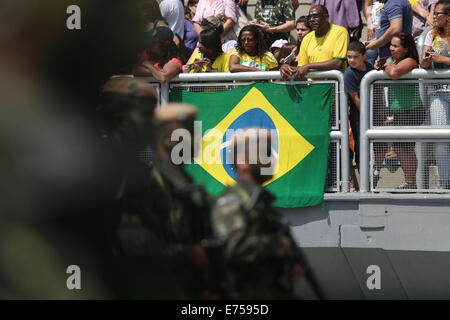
column 274, row 13
column 252, row 230
column 177, row 212
column 163, row 216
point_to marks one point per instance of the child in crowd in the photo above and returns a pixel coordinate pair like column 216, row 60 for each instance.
column 357, row 68
column 275, row 48
column 287, row 54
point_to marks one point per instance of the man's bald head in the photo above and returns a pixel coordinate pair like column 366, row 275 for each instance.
column 321, row 8
column 318, row 19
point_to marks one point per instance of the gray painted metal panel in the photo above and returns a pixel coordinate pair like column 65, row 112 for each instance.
column 406, row 235
column 333, row 273
column 360, row 260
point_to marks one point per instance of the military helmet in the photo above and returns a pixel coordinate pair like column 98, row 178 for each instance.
column 126, row 110
column 175, row 112
column 171, row 117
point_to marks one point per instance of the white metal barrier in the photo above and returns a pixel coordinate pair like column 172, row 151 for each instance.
column 339, row 133
column 371, row 133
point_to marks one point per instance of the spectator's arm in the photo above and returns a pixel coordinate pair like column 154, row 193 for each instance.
column 170, row 70
column 367, row 9
column 333, row 64
column 395, row 71
column 227, row 26
column 197, row 28
column 285, row 27
column 395, row 26
column 420, row 10
column 194, row 53
column 235, row 66
column 355, row 97
column 430, row 16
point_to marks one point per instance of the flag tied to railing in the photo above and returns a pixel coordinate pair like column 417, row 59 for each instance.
column 299, row 119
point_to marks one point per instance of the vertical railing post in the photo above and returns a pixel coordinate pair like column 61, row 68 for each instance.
column 364, row 120
column 164, row 94
column 345, row 149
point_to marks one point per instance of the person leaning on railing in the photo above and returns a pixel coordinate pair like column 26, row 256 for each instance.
column 162, row 58
column 404, row 100
column 323, row 49
column 436, row 53
column 251, row 53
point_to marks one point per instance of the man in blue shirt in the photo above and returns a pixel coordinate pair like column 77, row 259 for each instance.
column 395, row 16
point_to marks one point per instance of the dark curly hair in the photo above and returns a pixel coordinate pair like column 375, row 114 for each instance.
column 261, row 46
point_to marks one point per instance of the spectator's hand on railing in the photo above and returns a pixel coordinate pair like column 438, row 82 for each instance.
column 301, row 72
column 287, row 72
column 187, row 68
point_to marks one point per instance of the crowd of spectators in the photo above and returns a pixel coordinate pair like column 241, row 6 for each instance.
column 328, row 38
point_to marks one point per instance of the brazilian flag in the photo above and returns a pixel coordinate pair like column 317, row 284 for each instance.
column 300, row 116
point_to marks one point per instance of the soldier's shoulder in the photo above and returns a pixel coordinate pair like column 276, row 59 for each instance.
column 227, row 213
column 230, row 195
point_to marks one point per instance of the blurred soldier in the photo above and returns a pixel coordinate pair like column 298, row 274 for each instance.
column 126, row 112
column 262, row 259
column 57, row 175
column 180, row 209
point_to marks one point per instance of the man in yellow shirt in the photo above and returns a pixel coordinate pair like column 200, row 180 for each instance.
column 323, row 49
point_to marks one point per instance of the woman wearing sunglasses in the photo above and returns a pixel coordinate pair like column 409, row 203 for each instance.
column 251, row 53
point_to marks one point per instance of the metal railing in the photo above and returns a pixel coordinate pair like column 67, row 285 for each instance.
column 416, row 137
column 339, row 132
